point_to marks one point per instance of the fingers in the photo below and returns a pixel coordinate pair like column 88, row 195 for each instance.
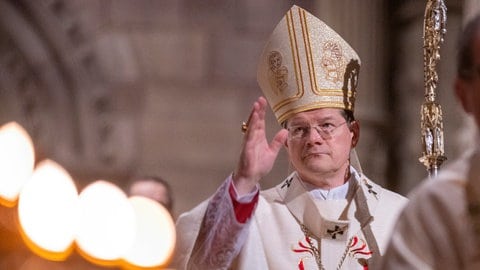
column 257, row 155
column 262, row 104
column 256, row 133
column 259, row 107
column 259, row 111
column 256, row 120
column 278, row 141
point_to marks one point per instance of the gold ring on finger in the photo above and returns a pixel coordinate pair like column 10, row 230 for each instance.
column 244, row 127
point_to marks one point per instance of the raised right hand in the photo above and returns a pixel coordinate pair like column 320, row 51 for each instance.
column 258, row 155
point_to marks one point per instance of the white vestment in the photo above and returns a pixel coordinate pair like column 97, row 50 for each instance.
column 351, row 233
column 434, row 231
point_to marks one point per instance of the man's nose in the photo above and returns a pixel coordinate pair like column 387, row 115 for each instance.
column 314, row 135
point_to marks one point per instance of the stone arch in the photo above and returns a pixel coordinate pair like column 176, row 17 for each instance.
column 51, row 81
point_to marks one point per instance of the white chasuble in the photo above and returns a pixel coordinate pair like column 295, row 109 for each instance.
column 322, row 234
column 291, row 230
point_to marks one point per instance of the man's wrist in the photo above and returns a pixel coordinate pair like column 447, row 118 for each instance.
column 243, row 185
column 243, row 206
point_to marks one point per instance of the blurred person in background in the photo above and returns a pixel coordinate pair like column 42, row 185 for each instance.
column 440, row 226
column 152, row 187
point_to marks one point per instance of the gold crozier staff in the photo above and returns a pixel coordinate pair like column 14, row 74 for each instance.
column 431, row 112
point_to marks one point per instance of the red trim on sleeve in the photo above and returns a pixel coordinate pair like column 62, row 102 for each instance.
column 243, row 211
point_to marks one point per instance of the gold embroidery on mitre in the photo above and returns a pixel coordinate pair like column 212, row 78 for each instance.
column 306, row 65
column 277, row 72
column 333, row 61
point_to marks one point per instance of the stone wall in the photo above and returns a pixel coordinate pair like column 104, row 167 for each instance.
column 116, row 88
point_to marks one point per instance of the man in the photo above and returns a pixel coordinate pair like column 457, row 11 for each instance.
column 440, row 226
column 326, row 214
column 154, row 188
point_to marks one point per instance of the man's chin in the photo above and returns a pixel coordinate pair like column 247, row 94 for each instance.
column 316, row 164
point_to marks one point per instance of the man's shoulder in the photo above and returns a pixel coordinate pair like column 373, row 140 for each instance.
column 450, row 182
column 270, row 194
column 439, row 198
column 388, row 194
column 439, row 191
column 381, row 192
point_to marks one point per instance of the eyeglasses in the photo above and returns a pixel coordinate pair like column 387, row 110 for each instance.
column 324, row 130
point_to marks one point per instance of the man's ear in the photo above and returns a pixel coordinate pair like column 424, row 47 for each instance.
column 355, row 129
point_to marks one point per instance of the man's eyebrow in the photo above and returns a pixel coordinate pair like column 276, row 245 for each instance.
column 318, row 119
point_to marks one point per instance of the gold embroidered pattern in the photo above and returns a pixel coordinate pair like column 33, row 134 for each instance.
column 278, row 72
column 333, row 62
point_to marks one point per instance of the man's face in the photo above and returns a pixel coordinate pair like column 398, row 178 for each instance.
column 152, row 190
column 315, row 156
